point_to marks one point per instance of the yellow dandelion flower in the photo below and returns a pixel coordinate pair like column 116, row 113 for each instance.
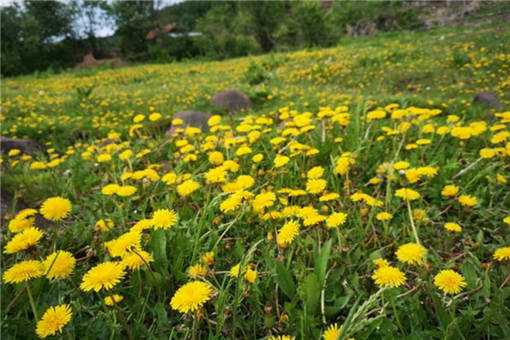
column 468, row 200
column 55, row 208
column 103, row 276
column 384, row 216
column 53, row 320
column 401, row 165
column 111, row 300
column 24, row 240
column 407, row 194
column 126, row 190
column 315, row 172
column 191, row 297
column 104, row 225
column 411, row 253
column 216, row 175
column 502, row 254
column 487, row 153
column 169, row 178
column 507, row 220
column 329, row 197
column 380, row 262
column 125, row 155
column 123, row 244
column 263, row 200
column 13, row 152
column 419, row 214
column 453, row 227
column 187, row 187
column 388, row 276
column 243, row 150
column 164, row 218
column 136, row 259
column 59, row 265
column 208, row 258
column 214, row 120
column 154, row 117
column 281, row 337
column 231, row 203
column 23, row 220
column 197, row 271
column 315, row 186
column 333, row 332
column 375, row 180
column 250, row 275
column 449, row 281
column 104, row 157
column 110, row 189
column 344, row 163
column 280, row 161
column 450, row 190
column 287, row 233
column 234, row 271
column 258, row 158
column 23, row 271
column 336, row 219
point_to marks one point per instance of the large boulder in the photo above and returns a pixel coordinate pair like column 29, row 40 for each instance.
column 191, row 118
column 232, row 101
column 489, row 99
column 25, row 145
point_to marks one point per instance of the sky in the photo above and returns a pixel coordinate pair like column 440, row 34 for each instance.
column 106, row 30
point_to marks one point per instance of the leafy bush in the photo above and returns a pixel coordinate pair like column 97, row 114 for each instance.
column 256, row 73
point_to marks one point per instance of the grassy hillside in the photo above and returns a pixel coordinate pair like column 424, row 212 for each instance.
column 363, row 190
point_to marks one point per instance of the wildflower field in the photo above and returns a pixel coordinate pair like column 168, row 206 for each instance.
column 364, row 195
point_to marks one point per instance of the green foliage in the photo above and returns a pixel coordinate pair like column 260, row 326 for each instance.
column 27, row 37
column 387, row 15
column 312, row 24
column 55, row 34
column 185, row 14
column 134, row 20
column 221, row 37
column 460, row 59
column 256, row 74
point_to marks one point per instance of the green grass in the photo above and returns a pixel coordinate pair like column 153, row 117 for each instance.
column 324, row 275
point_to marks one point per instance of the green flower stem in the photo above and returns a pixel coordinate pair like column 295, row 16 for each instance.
column 415, row 232
column 32, row 303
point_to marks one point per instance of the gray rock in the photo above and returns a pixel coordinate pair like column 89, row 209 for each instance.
column 489, row 99
column 232, row 100
column 25, row 145
column 191, row 118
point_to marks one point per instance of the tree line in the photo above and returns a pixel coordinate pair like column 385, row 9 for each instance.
column 42, row 35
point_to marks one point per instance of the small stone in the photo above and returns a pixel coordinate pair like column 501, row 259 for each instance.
column 191, row 118
column 27, row 146
column 232, row 100
column 488, row 98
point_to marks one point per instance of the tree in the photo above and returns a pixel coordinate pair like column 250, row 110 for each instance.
column 134, row 20
column 264, row 19
column 90, row 16
column 311, row 21
column 31, row 34
column 223, row 34
column 185, row 14
column 53, row 18
column 11, row 34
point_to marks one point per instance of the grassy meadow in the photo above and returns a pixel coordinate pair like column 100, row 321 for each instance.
column 364, row 195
